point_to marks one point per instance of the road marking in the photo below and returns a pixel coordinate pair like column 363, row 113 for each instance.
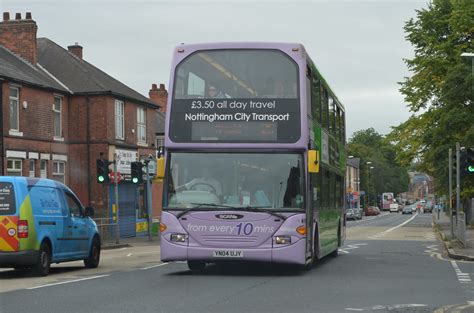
column 463, row 278
column 368, row 219
column 129, row 254
column 67, row 282
column 351, row 247
column 393, row 228
column 388, row 307
column 153, row 266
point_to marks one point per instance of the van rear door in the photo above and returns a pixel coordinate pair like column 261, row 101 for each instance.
column 8, row 218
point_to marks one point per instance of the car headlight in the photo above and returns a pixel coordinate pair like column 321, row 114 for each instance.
column 179, row 237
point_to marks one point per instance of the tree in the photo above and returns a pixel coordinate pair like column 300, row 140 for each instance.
column 440, row 91
column 388, row 175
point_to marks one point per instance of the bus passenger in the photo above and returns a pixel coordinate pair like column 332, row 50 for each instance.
column 212, row 92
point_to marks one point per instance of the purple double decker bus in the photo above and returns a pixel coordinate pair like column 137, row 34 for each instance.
column 255, row 157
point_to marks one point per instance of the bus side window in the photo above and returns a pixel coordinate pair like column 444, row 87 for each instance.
column 316, row 99
column 324, row 109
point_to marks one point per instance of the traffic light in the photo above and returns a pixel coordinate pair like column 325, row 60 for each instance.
column 102, row 171
column 467, row 161
column 137, row 172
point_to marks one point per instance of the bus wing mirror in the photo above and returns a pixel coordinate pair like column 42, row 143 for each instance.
column 313, row 161
column 160, row 167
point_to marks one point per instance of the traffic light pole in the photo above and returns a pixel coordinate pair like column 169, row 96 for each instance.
column 148, row 200
column 117, row 215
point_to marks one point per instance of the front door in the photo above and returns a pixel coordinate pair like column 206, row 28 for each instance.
column 76, row 226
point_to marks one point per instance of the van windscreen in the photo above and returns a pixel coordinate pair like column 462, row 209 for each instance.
column 7, row 199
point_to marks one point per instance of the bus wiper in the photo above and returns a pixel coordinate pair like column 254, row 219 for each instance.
column 261, row 209
column 199, row 205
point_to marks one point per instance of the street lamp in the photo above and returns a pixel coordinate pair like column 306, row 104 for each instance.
column 368, row 182
column 471, row 56
column 371, row 168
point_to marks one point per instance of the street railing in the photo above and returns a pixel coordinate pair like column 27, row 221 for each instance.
column 107, row 228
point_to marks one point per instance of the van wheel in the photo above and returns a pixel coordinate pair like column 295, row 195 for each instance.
column 43, row 265
column 94, row 255
column 197, row 266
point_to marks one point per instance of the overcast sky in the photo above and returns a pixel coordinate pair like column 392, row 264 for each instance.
column 357, row 45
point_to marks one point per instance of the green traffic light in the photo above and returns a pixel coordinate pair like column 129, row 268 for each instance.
column 101, row 179
column 470, row 168
column 135, row 180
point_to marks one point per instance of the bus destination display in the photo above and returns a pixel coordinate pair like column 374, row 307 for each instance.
column 235, row 120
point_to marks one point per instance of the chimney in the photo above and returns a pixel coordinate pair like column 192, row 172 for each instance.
column 19, row 36
column 159, row 96
column 76, row 49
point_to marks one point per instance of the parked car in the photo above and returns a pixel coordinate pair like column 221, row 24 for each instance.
column 358, row 212
column 43, row 222
column 350, row 214
column 372, row 210
column 428, row 207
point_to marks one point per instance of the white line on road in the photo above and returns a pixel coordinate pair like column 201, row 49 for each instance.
column 393, row 228
column 153, row 266
column 350, row 247
column 129, row 254
column 463, row 278
column 67, row 282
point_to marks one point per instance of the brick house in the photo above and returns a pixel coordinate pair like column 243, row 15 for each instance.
column 60, row 113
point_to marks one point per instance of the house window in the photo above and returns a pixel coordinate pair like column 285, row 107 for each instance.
column 57, row 117
column 119, row 127
column 44, row 169
column 58, row 171
column 141, row 124
column 14, row 108
column 14, row 167
column 32, row 167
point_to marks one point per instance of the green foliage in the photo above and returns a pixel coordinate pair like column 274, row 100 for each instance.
column 440, row 91
column 387, row 175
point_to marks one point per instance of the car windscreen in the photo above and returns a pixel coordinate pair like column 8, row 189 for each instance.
column 7, row 199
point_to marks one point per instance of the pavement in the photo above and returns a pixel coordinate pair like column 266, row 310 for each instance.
column 139, row 241
column 454, row 248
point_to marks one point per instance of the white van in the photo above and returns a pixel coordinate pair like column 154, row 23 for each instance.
column 394, row 207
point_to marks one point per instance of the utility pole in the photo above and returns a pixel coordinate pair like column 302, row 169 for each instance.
column 450, row 183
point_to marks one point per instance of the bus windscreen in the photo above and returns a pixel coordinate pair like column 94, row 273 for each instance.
column 236, row 96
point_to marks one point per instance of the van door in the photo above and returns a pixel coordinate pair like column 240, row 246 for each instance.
column 8, row 218
column 49, row 213
column 77, row 225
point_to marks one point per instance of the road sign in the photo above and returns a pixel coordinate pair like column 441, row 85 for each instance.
column 112, row 177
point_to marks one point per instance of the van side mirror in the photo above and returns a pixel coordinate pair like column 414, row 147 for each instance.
column 89, row 211
column 313, row 161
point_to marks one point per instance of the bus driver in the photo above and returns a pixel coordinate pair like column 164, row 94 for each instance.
column 204, row 182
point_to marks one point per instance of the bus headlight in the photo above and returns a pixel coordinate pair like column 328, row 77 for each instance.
column 178, row 237
column 282, row 240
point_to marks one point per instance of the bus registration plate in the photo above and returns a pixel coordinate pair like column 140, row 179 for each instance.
column 228, row 253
